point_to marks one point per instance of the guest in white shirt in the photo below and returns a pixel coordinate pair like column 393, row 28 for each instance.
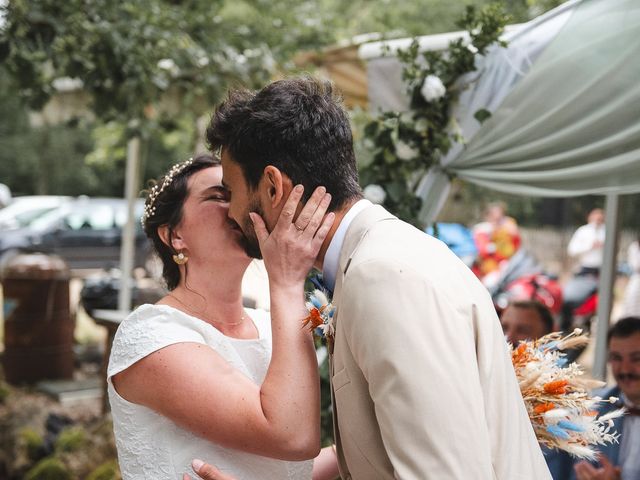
column 588, row 241
column 631, row 302
column 586, row 246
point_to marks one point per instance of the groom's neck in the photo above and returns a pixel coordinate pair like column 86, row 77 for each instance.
column 340, row 213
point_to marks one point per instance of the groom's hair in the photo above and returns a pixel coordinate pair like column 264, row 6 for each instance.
column 297, row 125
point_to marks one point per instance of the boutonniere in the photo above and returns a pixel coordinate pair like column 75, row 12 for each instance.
column 320, row 318
column 563, row 413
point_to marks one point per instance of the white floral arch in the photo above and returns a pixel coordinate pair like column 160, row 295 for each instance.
column 564, row 98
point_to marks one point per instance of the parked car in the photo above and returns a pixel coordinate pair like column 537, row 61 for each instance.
column 85, row 232
column 24, row 210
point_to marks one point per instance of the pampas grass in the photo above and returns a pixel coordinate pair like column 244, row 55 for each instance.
column 563, row 414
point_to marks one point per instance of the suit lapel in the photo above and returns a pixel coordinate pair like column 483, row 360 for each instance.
column 356, row 233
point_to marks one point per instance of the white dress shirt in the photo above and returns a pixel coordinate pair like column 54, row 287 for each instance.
column 332, row 257
column 581, row 245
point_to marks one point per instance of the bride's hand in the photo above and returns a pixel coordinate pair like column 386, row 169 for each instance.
column 290, row 250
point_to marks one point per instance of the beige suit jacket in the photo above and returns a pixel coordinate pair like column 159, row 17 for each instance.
column 422, row 382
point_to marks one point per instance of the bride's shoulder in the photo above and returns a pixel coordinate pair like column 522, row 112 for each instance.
column 149, row 328
column 148, row 313
column 157, row 318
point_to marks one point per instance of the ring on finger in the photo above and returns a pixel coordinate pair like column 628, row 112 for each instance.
column 300, row 229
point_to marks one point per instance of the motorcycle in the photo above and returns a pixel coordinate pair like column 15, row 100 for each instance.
column 519, row 278
column 580, row 301
column 523, row 278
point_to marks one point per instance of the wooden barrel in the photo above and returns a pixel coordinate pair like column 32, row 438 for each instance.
column 38, row 328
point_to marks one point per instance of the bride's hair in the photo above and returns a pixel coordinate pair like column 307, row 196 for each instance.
column 165, row 208
column 297, row 125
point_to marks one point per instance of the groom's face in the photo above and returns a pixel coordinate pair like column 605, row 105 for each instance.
column 242, row 201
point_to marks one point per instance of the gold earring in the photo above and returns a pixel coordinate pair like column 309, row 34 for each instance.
column 180, row 258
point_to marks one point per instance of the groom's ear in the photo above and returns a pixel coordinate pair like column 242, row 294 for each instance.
column 276, row 186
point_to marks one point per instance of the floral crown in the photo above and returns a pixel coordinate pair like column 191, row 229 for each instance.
column 157, row 189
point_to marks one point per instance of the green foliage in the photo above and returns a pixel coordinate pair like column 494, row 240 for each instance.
column 5, row 391
column 150, row 69
column 33, row 443
column 404, row 145
column 127, row 54
column 326, row 412
column 537, row 7
column 153, row 67
column 70, row 439
column 107, row 471
column 48, row 469
column 392, row 19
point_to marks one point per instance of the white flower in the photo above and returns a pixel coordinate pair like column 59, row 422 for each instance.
column 166, row 64
column 375, row 193
column 169, row 66
column 472, row 48
column 432, row 88
column 321, row 297
column 329, row 329
column 66, row 84
column 404, row 151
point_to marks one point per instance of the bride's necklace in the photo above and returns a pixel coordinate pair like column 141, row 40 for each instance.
column 218, row 322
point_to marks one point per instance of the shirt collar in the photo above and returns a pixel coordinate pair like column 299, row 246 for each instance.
column 331, row 261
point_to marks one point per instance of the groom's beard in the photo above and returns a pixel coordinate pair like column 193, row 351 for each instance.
column 249, row 240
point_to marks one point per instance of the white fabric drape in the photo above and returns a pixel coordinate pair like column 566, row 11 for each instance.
column 571, row 126
column 565, row 97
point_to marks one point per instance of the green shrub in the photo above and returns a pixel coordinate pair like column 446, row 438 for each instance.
column 48, row 469
column 33, row 442
column 70, row 439
column 107, row 471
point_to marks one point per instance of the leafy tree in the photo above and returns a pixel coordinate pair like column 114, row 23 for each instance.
column 153, row 66
column 144, row 64
column 128, row 55
column 404, row 145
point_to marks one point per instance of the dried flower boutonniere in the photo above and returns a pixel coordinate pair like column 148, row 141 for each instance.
column 320, row 318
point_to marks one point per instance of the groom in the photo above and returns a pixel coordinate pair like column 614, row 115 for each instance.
column 421, row 379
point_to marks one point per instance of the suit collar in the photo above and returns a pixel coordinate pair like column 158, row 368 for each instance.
column 331, row 264
column 357, row 231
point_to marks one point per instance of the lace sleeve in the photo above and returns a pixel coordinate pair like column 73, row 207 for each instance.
column 148, row 329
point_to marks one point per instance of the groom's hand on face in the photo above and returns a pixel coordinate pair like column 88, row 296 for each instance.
column 207, row 472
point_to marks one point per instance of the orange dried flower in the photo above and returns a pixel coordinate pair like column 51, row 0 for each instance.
column 520, row 355
column 557, row 387
column 313, row 320
column 543, row 407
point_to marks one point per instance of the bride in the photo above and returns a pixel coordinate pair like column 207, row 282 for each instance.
column 194, row 376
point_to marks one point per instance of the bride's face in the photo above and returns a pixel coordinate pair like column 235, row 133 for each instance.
column 205, row 231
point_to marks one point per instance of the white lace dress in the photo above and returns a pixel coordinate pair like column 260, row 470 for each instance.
column 150, row 446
